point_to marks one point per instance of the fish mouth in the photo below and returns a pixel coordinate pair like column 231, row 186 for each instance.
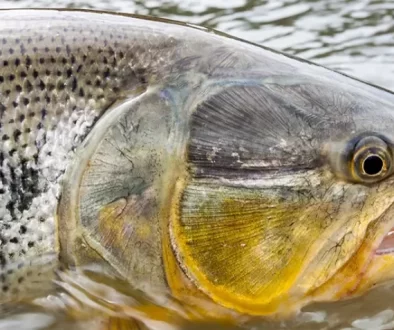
column 386, row 246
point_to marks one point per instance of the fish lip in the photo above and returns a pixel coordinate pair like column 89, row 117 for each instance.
column 386, row 232
column 380, row 249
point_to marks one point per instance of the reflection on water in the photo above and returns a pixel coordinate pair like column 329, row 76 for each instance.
column 355, row 37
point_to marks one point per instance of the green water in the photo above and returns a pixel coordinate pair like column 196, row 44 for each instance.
column 355, row 37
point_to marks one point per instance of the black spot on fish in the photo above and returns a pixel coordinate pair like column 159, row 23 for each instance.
column 106, row 73
column 60, row 85
column 28, row 86
column 74, row 84
column 2, row 109
column 22, row 230
column 41, row 85
column 23, row 186
column 22, row 49
column 28, row 61
column 17, row 133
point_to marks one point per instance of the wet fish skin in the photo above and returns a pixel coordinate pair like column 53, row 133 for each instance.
column 57, row 76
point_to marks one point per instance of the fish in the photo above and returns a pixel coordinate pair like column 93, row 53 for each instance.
column 240, row 180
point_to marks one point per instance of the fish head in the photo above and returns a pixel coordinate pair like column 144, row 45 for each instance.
column 288, row 196
column 256, row 181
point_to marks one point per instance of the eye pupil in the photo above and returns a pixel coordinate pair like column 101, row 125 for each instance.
column 373, row 165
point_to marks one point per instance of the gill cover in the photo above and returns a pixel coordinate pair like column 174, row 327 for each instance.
column 111, row 200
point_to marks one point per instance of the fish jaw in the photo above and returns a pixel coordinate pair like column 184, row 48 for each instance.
column 371, row 265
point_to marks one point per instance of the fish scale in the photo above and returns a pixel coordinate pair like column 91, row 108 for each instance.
column 55, row 81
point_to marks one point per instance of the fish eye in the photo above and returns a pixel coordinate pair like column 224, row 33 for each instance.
column 371, row 160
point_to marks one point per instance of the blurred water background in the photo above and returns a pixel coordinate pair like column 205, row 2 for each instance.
column 353, row 36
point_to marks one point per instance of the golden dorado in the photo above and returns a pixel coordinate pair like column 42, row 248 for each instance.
column 188, row 162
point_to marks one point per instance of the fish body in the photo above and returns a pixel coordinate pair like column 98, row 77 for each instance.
column 188, row 162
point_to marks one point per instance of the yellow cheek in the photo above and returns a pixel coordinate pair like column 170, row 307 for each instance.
column 244, row 250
